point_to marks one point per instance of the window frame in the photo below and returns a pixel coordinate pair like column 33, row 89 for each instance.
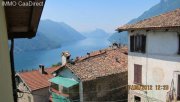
column 178, row 87
column 137, row 74
column 29, row 99
column 138, row 43
column 179, row 43
column 135, row 99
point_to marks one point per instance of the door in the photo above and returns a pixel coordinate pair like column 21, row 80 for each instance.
column 178, row 88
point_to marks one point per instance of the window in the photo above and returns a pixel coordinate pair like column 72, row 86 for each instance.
column 138, row 43
column 137, row 99
column 179, row 44
column 29, row 99
column 178, row 88
column 137, row 74
column 99, row 90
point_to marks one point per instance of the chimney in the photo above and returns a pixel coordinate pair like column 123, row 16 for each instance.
column 117, row 60
column 41, row 69
column 88, row 54
column 65, row 57
column 77, row 58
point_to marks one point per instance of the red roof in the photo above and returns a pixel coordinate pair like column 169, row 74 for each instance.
column 100, row 63
column 35, row 80
column 163, row 21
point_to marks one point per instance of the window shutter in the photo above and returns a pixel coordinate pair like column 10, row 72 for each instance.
column 136, row 43
column 137, row 74
column 132, row 43
column 143, row 44
column 178, row 88
column 179, row 44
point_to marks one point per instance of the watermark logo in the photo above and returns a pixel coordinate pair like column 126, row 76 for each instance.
column 9, row 3
column 21, row 3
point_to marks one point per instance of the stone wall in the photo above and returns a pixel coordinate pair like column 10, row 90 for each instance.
column 106, row 88
column 41, row 95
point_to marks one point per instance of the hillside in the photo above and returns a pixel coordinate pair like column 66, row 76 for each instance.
column 59, row 31
column 50, row 35
column 40, row 42
column 118, row 38
column 162, row 7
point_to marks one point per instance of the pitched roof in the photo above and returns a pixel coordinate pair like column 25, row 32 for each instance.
column 23, row 21
column 163, row 21
column 100, row 63
column 35, row 80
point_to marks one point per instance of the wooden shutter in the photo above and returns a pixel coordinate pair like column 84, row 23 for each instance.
column 136, row 43
column 143, row 47
column 137, row 74
column 139, row 43
column 178, row 88
column 132, row 43
column 179, row 44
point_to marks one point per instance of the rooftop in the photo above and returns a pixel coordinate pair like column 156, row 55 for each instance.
column 100, row 63
column 36, row 80
column 163, row 21
column 23, row 21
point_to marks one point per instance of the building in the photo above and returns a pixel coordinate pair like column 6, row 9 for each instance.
column 154, row 58
column 5, row 65
column 98, row 76
column 34, row 85
column 16, row 22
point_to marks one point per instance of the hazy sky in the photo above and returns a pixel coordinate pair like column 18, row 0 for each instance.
column 87, row 15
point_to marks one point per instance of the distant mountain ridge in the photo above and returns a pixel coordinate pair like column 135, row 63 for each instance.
column 50, row 35
column 162, row 7
column 97, row 33
column 40, row 42
column 117, row 37
column 59, row 31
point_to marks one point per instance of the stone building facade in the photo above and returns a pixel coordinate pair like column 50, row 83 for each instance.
column 153, row 58
column 102, row 76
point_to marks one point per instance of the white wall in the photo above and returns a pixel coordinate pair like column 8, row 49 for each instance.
column 159, row 64
column 164, row 43
column 68, row 74
column 6, row 94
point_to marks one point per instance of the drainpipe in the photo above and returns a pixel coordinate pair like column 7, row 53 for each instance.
column 13, row 70
column 81, row 91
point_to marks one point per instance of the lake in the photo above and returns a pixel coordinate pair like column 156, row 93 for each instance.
column 32, row 59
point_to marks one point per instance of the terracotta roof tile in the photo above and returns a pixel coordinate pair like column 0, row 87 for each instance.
column 100, row 63
column 35, row 80
column 166, row 20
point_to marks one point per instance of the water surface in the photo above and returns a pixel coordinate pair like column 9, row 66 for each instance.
column 31, row 60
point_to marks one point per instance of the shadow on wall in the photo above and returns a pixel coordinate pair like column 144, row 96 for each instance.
column 171, row 58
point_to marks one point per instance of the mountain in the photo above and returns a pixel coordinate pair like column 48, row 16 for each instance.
column 40, row 42
column 97, row 33
column 118, row 38
column 162, row 7
column 59, row 31
column 50, row 35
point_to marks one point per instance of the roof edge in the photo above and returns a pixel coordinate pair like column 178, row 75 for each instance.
column 24, row 82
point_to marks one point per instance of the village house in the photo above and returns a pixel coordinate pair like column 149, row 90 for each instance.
column 15, row 22
column 154, row 58
column 98, row 76
column 34, row 85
